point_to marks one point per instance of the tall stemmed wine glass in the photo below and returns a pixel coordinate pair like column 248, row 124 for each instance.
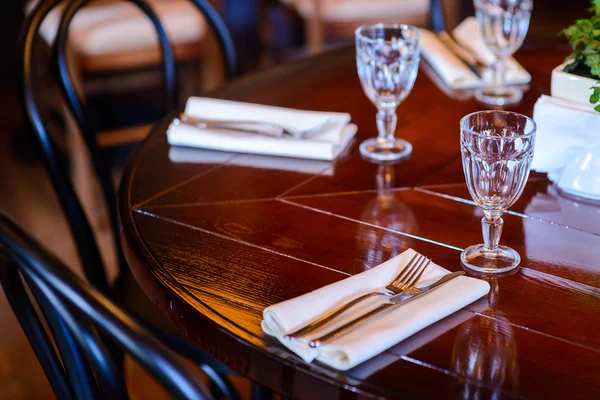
column 503, row 25
column 387, row 57
column 497, row 149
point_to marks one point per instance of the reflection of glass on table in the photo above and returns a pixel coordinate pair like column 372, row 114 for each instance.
column 485, row 352
column 386, row 211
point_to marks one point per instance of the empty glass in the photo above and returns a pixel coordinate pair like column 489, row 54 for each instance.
column 387, row 57
column 497, row 149
column 503, row 25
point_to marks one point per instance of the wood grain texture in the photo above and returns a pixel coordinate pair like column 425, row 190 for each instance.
column 214, row 238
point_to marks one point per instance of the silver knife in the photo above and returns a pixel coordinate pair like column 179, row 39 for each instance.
column 397, row 300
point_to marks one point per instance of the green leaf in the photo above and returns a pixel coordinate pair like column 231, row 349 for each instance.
column 597, row 108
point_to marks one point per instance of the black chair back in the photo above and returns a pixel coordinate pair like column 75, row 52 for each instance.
column 87, row 246
column 81, row 230
column 81, row 320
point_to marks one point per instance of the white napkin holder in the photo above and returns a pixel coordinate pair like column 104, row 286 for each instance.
column 568, row 146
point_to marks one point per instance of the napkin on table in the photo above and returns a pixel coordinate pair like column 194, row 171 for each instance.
column 454, row 72
column 379, row 334
column 564, row 128
column 325, row 145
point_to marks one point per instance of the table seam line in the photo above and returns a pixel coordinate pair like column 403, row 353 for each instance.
column 451, row 184
column 150, row 214
column 264, row 199
column 315, row 176
column 415, row 361
column 182, row 183
column 369, row 224
column 208, row 203
column 583, row 346
column 420, row 238
column 509, row 212
column 346, row 193
column 458, row 375
column 459, row 249
column 560, row 339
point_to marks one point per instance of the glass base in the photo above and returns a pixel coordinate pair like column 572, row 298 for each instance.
column 502, row 259
column 394, row 150
column 499, row 96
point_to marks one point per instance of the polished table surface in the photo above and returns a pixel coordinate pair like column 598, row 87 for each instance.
column 214, row 238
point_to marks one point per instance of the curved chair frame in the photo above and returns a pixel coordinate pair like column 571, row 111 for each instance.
column 74, row 311
column 77, row 108
column 81, row 230
column 87, row 247
column 80, row 227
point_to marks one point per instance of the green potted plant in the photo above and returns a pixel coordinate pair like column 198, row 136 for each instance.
column 578, row 79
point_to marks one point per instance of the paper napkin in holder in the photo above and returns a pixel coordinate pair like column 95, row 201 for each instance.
column 567, row 145
column 379, row 334
column 324, row 145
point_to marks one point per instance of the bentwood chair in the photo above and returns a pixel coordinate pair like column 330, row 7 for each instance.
column 84, row 324
column 113, row 51
column 125, row 290
column 80, row 227
column 338, row 19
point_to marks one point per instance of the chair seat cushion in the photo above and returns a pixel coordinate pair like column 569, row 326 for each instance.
column 364, row 10
column 121, row 27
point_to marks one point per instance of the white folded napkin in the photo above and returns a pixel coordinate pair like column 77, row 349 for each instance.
column 564, row 128
column 197, row 156
column 468, row 35
column 325, row 145
column 454, row 72
column 379, row 334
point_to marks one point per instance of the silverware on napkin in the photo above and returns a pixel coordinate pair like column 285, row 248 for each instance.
column 405, row 280
column 257, row 127
column 394, row 301
column 464, row 55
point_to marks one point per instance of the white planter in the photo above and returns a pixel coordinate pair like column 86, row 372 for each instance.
column 571, row 87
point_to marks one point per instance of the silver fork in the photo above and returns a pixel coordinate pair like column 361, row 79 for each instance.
column 261, row 127
column 415, row 293
column 404, row 281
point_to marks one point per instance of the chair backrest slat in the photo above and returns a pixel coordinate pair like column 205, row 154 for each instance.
column 81, row 230
column 77, row 108
column 76, row 366
column 87, row 245
column 34, row 330
column 223, row 36
column 72, row 308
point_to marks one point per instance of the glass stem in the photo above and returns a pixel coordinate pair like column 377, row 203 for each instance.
column 500, row 74
column 386, row 126
column 492, row 230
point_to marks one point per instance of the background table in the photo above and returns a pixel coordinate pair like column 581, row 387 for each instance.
column 215, row 237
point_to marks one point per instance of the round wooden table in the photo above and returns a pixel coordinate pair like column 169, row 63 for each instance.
column 214, row 238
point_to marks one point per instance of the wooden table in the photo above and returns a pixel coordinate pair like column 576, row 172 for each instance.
column 216, row 239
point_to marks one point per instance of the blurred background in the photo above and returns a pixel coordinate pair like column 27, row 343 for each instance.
column 114, row 60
